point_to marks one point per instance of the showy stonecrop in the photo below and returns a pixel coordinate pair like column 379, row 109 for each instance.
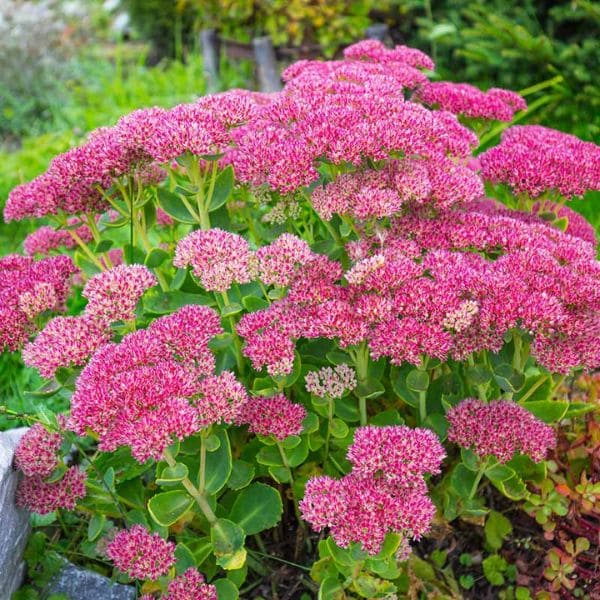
column 301, row 298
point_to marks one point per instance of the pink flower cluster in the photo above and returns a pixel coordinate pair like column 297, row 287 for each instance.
column 42, row 497
column 443, row 285
column 65, row 342
column 217, row 257
column 140, row 392
column 37, row 455
column 37, row 451
column 141, row 554
column 385, row 491
column 376, row 51
column 383, row 193
column 190, row 586
column 45, row 239
column 28, row 288
column 288, row 137
column 500, row 428
column 532, row 159
column 112, row 295
column 132, row 148
column 469, row 101
column 69, row 341
column 278, row 262
column 222, row 399
column 273, row 416
column 331, row 382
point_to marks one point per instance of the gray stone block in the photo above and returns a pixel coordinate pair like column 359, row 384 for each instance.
column 80, row 584
column 14, row 523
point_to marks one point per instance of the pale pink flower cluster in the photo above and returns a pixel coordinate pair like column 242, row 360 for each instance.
column 331, row 382
column 383, row 193
column 217, row 257
column 500, row 428
column 40, row 299
column 45, row 239
column 69, row 341
column 65, row 342
column 532, row 159
column 112, row 295
column 279, row 261
column 37, row 451
column 385, row 491
column 42, row 497
column 190, row 586
column 469, row 101
column 140, row 392
column 141, row 554
column 222, row 398
column 273, row 416
column 28, row 288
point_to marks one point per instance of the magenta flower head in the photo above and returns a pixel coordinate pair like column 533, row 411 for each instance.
column 222, row 399
column 275, row 416
column 363, row 510
column 141, row 554
column 217, row 257
column 65, row 342
column 397, row 453
column 113, row 295
column 331, row 382
column 39, row 496
column 279, row 261
column 37, row 451
column 45, row 239
column 532, row 159
column 190, row 586
column 385, row 491
column 374, row 50
column 27, row 289
column 467, row 100
column 500, row 428
column 140, row 392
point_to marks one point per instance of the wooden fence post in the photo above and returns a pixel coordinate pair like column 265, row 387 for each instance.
column 377, row 31
column 268, row 74
column 211, row 57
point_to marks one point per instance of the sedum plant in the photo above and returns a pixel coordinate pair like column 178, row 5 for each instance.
column 321, row 300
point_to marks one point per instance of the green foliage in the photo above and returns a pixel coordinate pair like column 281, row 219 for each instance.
column 517, row 45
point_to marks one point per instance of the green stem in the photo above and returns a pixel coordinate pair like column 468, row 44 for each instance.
column 236, row 338
column 86, row 250
column 91, row 223
column 481, row 389
column 202, row 469
column 330, row 419
column 482, row 469
column 193, row 491
column 289, row 470
column 422, row 407
column 361, row 361
column 534, row 387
